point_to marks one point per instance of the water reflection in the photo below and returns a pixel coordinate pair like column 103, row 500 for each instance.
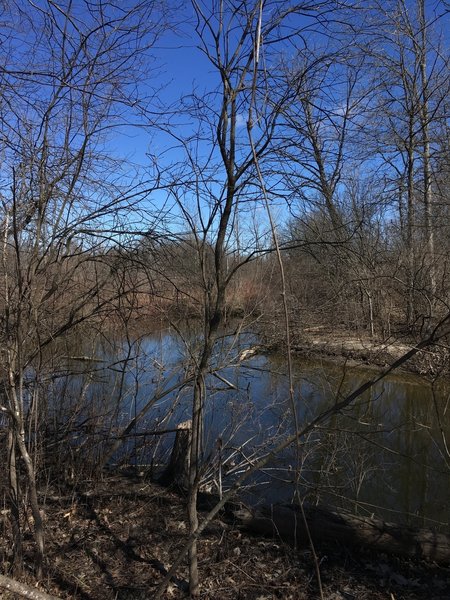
column 384, row 455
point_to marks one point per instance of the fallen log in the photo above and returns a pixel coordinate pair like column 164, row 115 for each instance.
column 23, row 590
column 287, row 523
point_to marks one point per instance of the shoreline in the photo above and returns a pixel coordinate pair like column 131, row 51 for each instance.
column 354, row 349
column 117, row 536
column 360, row 351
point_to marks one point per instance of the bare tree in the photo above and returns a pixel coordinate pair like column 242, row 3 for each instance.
column 218, row 188
column 70, row 74
column 410, row 76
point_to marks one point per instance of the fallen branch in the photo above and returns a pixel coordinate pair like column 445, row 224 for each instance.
column 23, row 590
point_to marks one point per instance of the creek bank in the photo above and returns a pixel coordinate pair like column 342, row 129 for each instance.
column 117, row 537
column 359, row 350
column 293, row 525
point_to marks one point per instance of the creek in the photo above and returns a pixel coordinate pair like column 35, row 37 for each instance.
column 385, row 455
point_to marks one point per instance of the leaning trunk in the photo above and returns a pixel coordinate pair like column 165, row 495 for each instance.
column 14, row 501
column 19, row 442
column 34, row 502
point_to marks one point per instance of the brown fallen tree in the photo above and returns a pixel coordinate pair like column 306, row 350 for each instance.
column 288, row 524
column 23, row 590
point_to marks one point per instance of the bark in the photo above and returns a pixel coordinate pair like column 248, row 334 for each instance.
column 195, row 456
column 287, row 523
column 425, row 126
column 34, row 502
column 177, row 473
column 23, row 590
column 410, row 311
column 18, row 442
column 14, row 498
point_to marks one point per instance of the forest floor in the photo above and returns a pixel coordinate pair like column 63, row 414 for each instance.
column 116, row 538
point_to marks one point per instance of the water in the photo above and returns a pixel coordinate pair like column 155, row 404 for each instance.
column 385, row 455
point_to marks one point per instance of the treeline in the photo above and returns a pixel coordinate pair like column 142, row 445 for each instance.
column 354, row 146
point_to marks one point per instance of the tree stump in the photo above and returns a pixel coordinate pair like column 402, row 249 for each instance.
column 177, row 473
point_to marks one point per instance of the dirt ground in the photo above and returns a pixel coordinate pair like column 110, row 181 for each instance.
column 116, row 538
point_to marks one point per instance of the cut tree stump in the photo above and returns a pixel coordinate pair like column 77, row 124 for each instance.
column 287, row 523
column 177, row 473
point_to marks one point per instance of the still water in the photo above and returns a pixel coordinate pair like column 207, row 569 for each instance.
column 385, row 455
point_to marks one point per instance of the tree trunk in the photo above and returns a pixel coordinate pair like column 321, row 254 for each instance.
column 194, row 474
column 34, row 502
column 425, row 126
column 14, row 498
column 177, row 473
column 23, row 590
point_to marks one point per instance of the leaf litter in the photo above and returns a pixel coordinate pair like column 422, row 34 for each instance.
column 116, row 538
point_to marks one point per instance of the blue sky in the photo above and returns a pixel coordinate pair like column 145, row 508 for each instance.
column 181, row 68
